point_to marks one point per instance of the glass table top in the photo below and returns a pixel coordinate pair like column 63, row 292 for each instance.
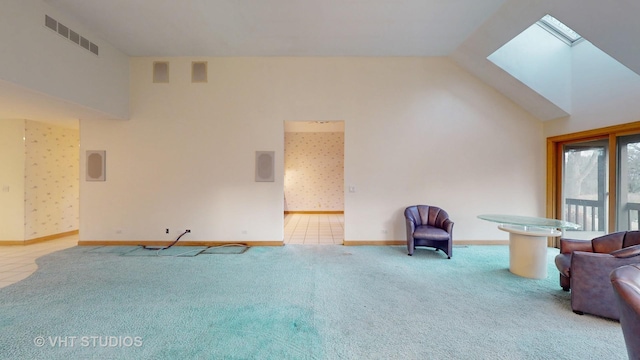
column 529, row 221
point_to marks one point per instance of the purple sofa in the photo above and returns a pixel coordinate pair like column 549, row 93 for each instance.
column 585, row 266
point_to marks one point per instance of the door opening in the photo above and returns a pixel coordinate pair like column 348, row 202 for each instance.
column 314, row 182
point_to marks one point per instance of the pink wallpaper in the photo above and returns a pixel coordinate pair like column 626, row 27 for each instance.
column 51, row 180
column 314, row 171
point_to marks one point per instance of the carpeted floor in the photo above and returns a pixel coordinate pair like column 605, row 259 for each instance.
column 295, row 302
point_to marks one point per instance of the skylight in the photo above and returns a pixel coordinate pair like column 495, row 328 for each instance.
column 560, row 30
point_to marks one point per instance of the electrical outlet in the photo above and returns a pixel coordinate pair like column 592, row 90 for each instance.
column 166, row 231
column 188, row 230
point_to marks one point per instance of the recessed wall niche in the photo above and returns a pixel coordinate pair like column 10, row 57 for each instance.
column 160, row 72
column 199, row 72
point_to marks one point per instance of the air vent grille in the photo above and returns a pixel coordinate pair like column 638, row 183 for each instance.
column 199, row 72
column 70, row 35
column 160, row 72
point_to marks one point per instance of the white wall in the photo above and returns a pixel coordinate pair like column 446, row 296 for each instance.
column 605, row 93
column 35, row 57
column 418, row 130
column 12, row 157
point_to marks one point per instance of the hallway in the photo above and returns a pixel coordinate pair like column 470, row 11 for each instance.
column 314, row 229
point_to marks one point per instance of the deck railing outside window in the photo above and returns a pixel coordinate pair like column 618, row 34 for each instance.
column 589, row 214
column 633, row 210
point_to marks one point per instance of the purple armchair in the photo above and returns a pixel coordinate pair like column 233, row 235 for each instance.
column 585, row 267
column 428, row 226
column 626, row 287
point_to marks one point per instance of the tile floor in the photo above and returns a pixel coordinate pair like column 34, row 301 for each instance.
column 314, row 229
column 17, row 262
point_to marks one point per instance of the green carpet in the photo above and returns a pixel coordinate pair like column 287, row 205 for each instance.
column 295, row 302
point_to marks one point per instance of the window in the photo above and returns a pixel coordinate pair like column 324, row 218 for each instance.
column 628, row 200
column 584, row 183
column 593, row 179
column 560, row 30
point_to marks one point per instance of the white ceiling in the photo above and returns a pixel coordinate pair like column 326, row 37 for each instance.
column 282, row 27
column 466, row 30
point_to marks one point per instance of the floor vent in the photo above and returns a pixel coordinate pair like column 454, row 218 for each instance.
column 70, row 35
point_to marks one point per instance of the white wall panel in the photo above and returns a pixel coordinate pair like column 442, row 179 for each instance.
column 417, row 130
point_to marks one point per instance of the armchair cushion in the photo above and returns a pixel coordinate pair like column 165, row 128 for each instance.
column 631, row 238
column 608, row 243
column 430, row 232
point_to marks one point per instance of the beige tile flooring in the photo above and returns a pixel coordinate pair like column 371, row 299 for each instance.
column 314, row 229
column 17, row 262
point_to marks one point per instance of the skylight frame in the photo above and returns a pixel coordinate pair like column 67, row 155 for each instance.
column 560, row 30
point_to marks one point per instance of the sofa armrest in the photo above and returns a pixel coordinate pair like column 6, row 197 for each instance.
column 447, row 225
column 411, row 226
column 591, row 290
column 568, row 246
column 627, row 252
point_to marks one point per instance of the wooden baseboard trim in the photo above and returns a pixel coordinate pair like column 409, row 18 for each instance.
column 265, row 243
column 404, row 242
column 313, row 212
column 480, row 242
column 373, row 242
column 180, row 243
column 38, row 239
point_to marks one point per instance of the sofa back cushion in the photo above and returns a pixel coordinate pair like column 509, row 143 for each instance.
column 432, row 215
column 608, row 243
column 631, row 238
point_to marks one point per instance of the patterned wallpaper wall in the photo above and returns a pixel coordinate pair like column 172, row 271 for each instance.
column 314, row 171
column 51, row 180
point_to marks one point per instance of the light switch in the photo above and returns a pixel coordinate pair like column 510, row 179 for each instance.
column 352, row 188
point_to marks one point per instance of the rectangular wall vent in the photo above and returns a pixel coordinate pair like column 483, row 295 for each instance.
column 199, row 72
column 70, row 35
column 160, row 72
column 74, row 36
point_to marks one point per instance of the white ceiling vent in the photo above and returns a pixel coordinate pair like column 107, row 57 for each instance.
column 70, row 35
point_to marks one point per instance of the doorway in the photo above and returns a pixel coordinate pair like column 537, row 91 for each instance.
column 314, row 182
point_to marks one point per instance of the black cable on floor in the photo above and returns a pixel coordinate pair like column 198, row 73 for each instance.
column 165, row 248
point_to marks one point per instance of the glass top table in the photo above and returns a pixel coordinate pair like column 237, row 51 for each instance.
column 529, row 221
column 528, row 241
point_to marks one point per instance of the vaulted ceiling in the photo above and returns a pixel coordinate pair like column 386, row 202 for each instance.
column 283, row 27
column 466, row 30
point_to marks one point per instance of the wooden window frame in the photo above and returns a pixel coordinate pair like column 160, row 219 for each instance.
column 554, row 166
